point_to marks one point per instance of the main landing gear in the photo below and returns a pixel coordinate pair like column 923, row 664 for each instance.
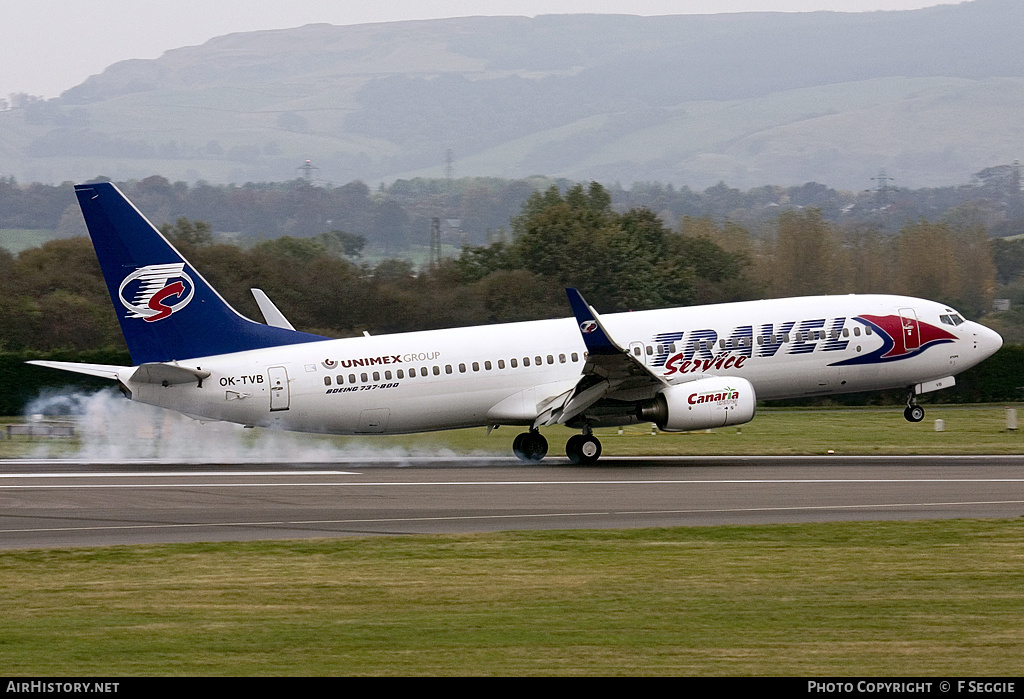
column 913, row 411
column 530, row 446
column 583, row 449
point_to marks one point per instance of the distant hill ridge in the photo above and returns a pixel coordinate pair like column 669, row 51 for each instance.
column 665, row 60
column 930, row 95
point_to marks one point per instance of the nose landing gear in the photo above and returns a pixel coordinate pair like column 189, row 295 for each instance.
column 913, row 411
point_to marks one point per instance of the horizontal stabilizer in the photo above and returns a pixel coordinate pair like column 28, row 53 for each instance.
column 168, row 374
column 163, row 374
column 105, row 371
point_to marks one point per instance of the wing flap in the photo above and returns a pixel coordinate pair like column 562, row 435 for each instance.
column 529, row 405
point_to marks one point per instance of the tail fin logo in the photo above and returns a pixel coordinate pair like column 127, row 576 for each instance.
column 154, row 292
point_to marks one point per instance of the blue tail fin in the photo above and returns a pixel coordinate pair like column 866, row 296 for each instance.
column 166, row 309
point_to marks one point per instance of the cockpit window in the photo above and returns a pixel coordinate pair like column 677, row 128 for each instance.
column 951, row 319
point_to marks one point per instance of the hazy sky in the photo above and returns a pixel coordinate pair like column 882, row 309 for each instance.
column 48, row 46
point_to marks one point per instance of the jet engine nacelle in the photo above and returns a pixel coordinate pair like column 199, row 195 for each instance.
column 699, row 405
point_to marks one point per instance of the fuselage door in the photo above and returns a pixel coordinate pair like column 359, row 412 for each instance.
column 280, row 395
column 911, row 330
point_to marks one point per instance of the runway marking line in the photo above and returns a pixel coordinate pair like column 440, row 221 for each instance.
column 379, row 484
column 397, row 520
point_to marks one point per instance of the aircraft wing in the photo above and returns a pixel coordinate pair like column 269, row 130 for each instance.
column 610, row 371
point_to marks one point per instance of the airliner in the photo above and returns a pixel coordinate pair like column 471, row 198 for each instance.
column 683, row 369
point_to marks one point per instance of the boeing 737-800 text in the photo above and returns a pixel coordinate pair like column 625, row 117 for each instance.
column 680, row 368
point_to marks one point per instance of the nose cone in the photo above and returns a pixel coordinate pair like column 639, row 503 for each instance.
column 986, row 340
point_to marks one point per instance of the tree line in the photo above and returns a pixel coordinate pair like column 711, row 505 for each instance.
column 397, row 218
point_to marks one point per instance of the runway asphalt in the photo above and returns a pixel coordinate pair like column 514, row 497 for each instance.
column 71, row 504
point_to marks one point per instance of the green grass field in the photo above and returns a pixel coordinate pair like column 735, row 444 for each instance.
column 846, row 599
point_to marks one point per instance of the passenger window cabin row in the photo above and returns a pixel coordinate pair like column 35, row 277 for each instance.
column 461, row 368
column 514, row 363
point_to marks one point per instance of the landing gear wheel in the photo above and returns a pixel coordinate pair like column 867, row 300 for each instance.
column 583, row 449
column 914, row 413
column 530, row 446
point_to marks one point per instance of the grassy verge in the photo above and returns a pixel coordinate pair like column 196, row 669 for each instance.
column 784, row 431
column 847, row 599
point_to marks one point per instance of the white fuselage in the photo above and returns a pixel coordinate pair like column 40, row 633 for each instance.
column 500, row 374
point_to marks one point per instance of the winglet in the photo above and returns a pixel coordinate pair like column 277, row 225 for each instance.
column 594, row 335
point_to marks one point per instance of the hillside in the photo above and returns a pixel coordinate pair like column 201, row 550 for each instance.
column 929, row 95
